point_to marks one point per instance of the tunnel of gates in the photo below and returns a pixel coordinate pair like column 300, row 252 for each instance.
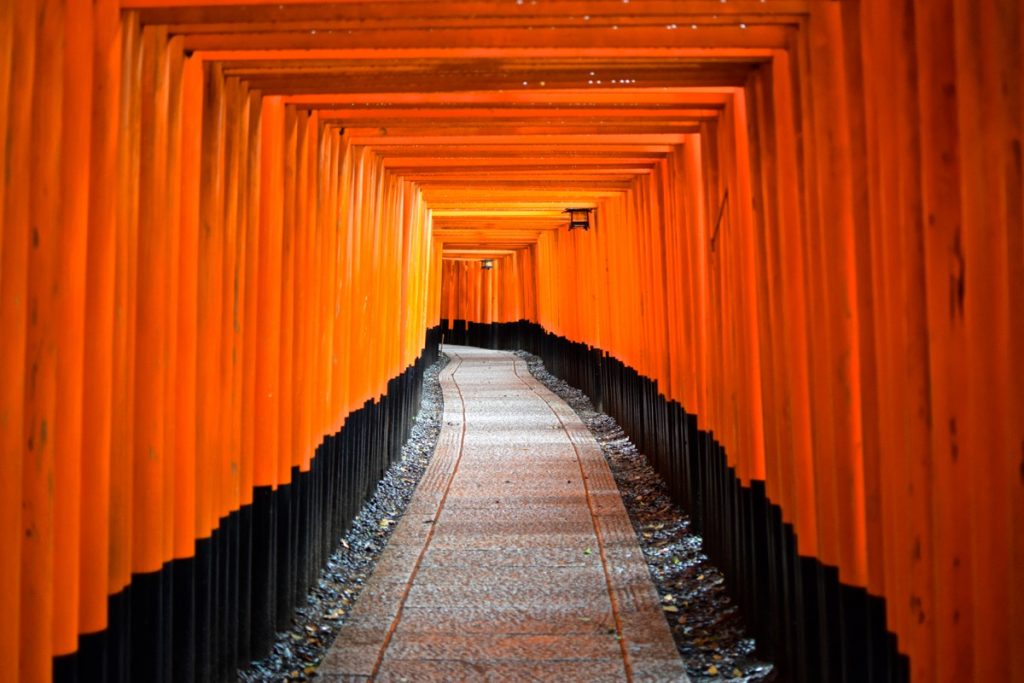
column 234, row 234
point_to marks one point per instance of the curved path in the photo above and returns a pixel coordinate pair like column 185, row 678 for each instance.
column 515, row 559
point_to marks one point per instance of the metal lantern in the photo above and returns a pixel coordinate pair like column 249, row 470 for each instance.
column 579, row 218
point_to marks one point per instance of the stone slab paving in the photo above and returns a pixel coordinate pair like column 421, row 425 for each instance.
column 515, row 560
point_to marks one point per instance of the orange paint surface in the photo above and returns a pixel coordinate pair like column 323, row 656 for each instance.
column 223, row 230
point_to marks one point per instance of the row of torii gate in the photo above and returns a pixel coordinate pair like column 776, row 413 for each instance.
column 231, row 233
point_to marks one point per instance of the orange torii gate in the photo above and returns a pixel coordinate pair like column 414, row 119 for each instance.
column 231, row 233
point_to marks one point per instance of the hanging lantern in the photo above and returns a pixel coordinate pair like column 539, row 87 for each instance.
column 579, row 218
column 487, row 264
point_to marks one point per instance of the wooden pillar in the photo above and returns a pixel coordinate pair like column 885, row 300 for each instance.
column 269, row 316
column 987, row 46
column 209, row 402
column 42, row 340
column 249, row 291
column 121, row 455
column 19, row 21
column 75, row 185
column 943, row 244
column 98, row 361
column 188, row 342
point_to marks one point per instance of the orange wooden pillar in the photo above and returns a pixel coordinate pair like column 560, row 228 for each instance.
column 7, row 29
column 287, row 285
column 98, row 363
column 765, row 245
column 209, row 312
column 19, row 23
column 323, row 341
column 697, row 238
column 75, row 185
column 304, row 438
column 879, row 118
column 750, row 376
column 837, row 363
column 248, row 291
column 41, row 360
column 184, row 385
column 149, row 447
column 342, row 388
column 123, row 355
column 268, row 358
column 794, row 312
column 941, row 216
column 226, row 467
column 174, row 324
column 901, row 354
column 984, row 296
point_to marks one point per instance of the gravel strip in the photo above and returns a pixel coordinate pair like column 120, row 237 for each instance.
column 706, row 624
column 298, row 651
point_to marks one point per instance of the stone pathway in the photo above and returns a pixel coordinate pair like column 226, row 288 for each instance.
column 515, row 560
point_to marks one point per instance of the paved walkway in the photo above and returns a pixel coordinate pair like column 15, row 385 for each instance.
column 515, row 560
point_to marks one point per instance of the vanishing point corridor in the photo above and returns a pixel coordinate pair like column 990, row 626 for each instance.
column 779, row 244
